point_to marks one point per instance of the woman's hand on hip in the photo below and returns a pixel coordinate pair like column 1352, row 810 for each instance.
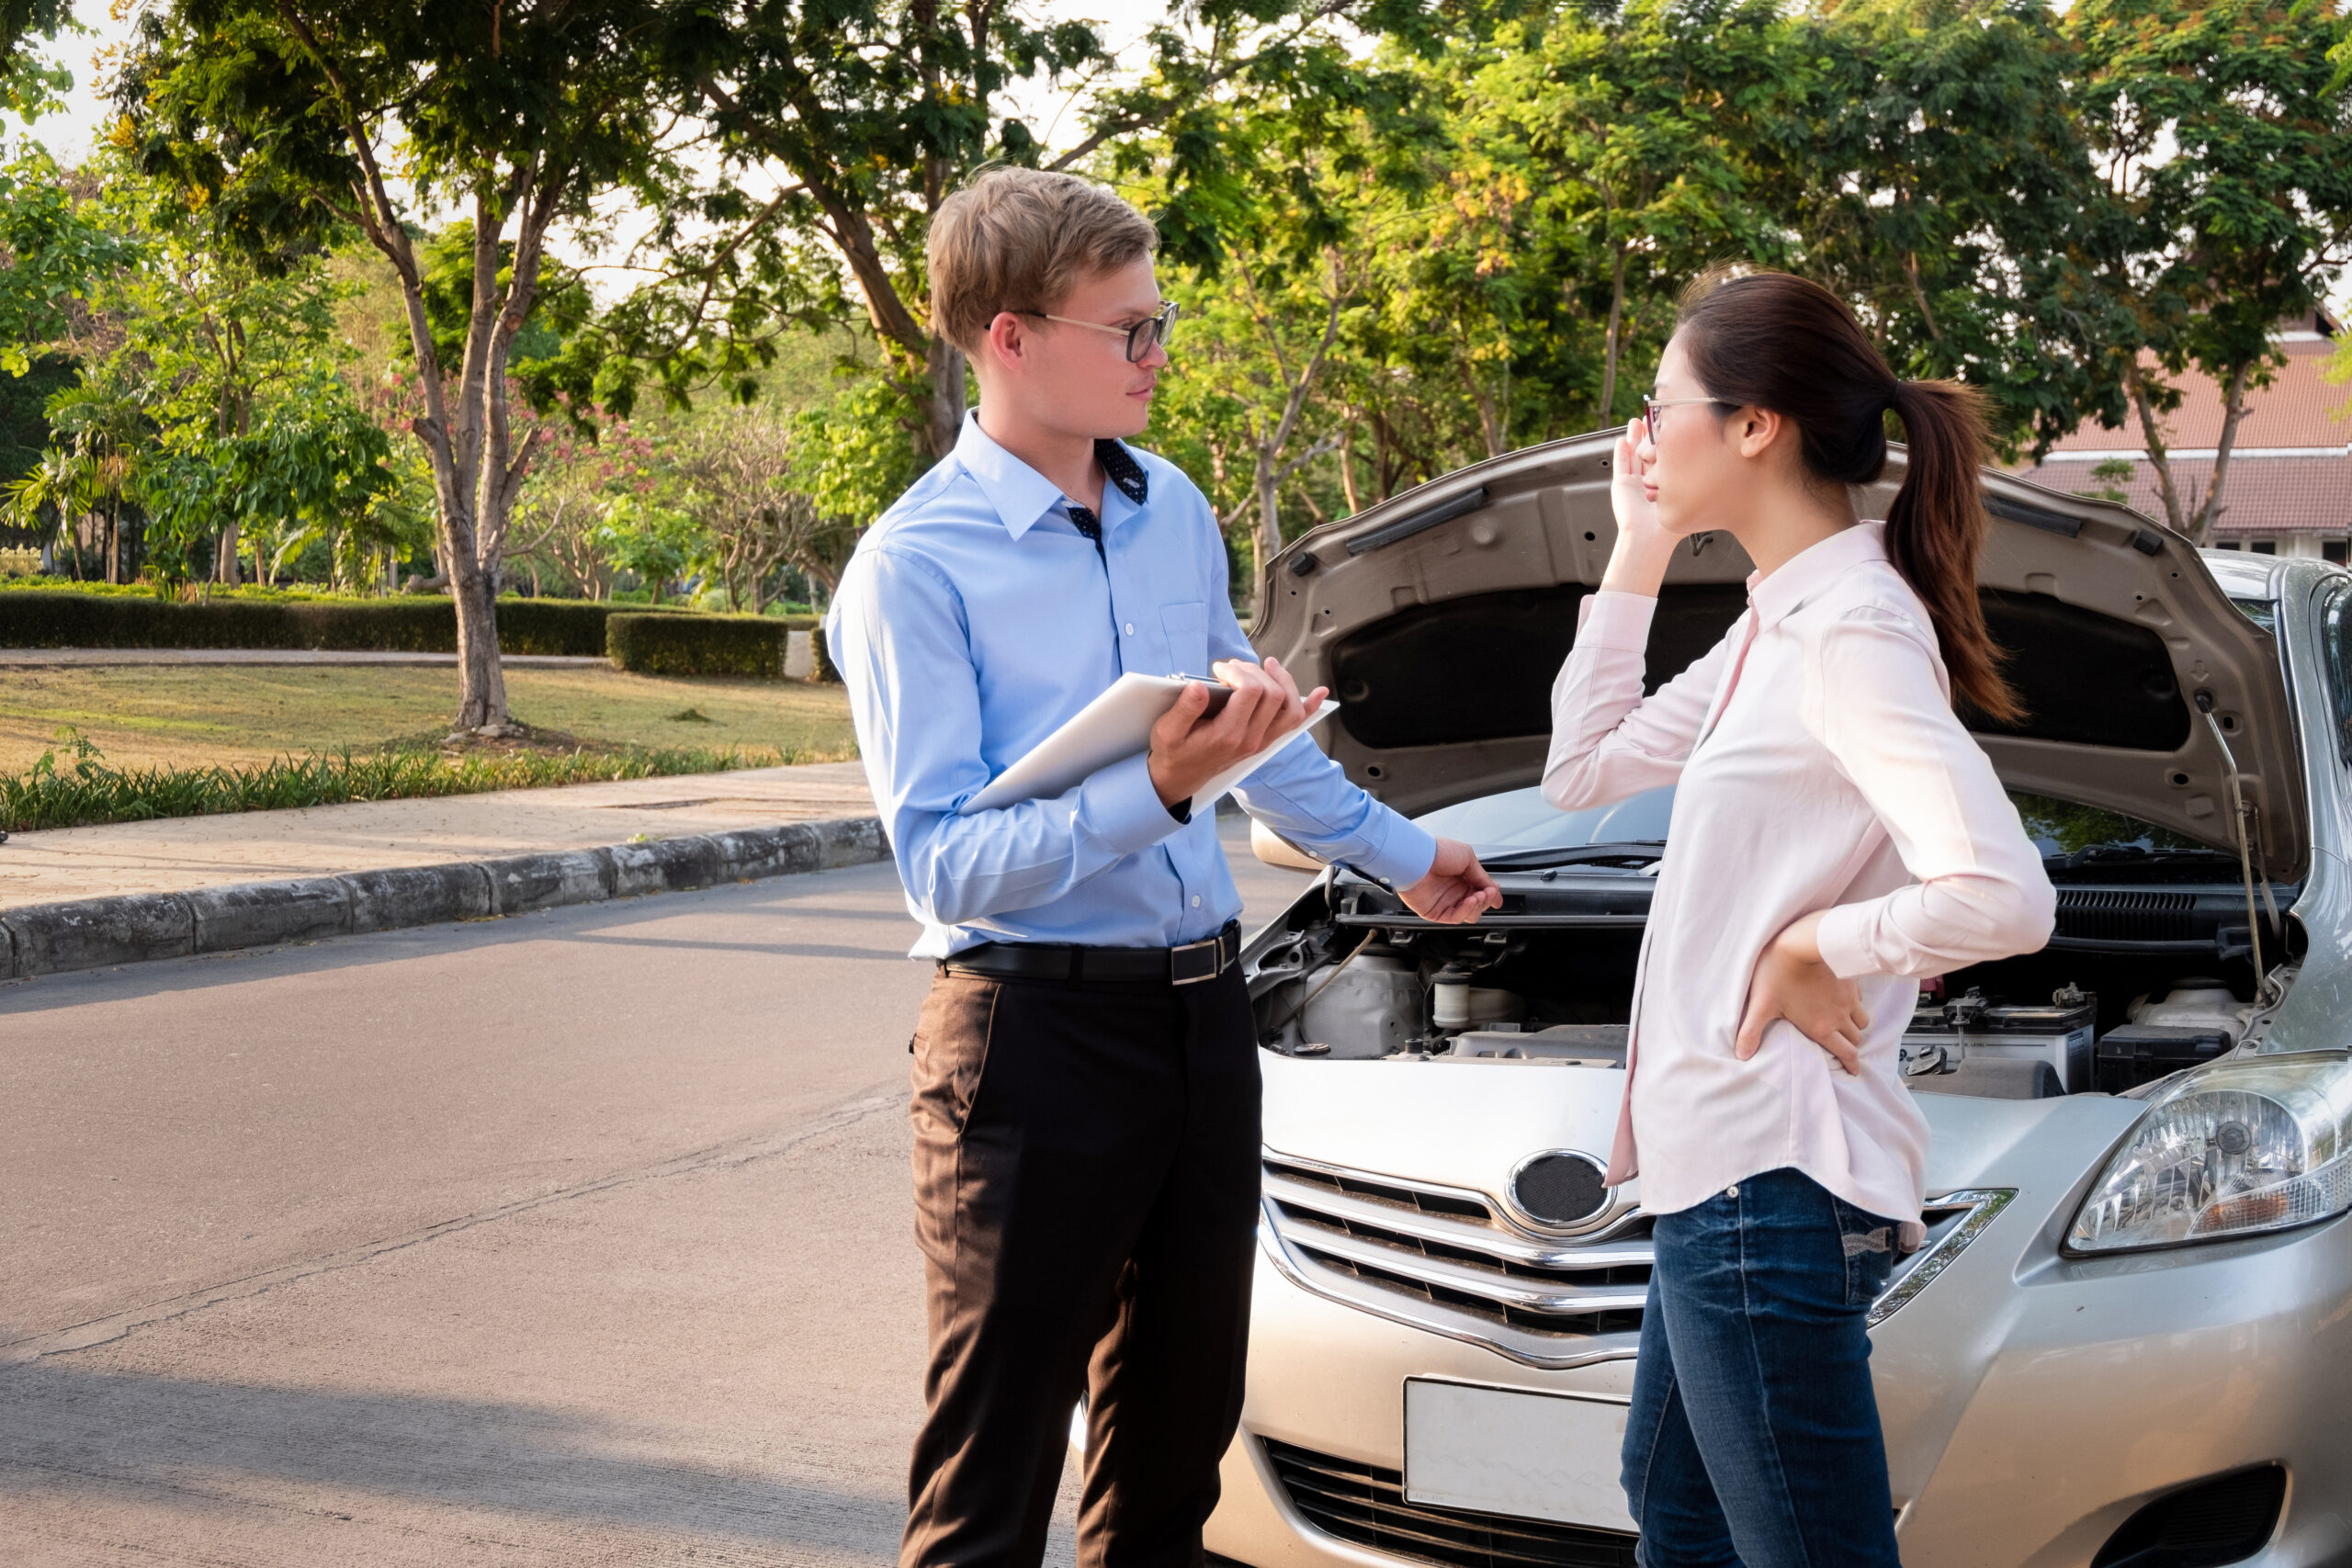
column 1792, row 982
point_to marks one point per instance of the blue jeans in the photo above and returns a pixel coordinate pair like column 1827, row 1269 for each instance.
column 1753, row 1437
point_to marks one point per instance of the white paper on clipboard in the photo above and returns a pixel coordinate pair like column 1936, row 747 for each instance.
column 1113, row 728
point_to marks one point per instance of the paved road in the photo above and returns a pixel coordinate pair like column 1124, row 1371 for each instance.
column 578, row 1239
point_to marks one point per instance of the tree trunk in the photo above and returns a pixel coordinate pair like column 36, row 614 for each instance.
column 224, row 555
column 482, row 701
column 944, row 409
column 1610, row 345
column 2135, row 383
column 1270, row 526
column 2233, row 411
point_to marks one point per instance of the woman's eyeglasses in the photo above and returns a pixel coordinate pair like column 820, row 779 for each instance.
column 1142, row 338
column 1651, row 404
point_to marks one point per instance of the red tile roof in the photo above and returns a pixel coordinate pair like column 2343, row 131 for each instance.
column 2299, row 407
column 2261, row 497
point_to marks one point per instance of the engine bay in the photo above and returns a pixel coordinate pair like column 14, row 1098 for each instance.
column 2091, row 1013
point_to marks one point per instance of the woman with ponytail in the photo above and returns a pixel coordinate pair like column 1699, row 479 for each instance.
column 1837, row 836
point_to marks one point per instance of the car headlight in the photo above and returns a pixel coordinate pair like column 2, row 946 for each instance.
column 2234, row 1150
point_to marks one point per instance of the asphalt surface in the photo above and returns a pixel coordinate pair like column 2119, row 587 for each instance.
column 581, row 1237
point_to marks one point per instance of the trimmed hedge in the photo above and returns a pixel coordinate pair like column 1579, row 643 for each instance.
column 698, row 644
column 50, row 619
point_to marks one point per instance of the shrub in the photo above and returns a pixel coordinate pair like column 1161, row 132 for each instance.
column 84, row 789
column 54, row 619
column 698, row 645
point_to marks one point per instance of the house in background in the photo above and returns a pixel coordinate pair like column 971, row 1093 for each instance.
column 2288, row 489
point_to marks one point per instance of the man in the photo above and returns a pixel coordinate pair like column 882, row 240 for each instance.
column 1085, row 1080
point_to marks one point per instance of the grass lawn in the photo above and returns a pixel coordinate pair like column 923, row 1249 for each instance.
column 200, row 715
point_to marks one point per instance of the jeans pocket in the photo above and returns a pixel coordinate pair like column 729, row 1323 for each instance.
column 1867, row 1241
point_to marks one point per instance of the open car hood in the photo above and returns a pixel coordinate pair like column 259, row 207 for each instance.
column 1440, row 617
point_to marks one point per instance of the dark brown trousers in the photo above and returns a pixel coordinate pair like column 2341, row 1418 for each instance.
column 1086, row 1193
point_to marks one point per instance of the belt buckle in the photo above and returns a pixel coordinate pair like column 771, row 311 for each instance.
column 1211, row 948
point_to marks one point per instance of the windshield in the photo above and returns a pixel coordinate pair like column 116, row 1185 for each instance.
column 1519, row 819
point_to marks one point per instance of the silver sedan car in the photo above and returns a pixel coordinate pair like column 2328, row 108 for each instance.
column 2128, row 1343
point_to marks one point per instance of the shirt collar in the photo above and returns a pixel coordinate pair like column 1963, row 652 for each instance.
column 1021, row 495
column 1804, row 573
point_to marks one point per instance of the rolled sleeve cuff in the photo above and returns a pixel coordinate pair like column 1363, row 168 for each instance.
column 1843, row 937
column 1611, row 619
column 1403, row 852
column 1124, row 808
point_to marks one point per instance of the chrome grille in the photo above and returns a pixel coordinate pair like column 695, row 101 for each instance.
column 1441, row 1259
column 1366, row 1505
column 1444, row 1259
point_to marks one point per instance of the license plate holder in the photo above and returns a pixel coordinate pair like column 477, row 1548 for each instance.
column 1516, row 1452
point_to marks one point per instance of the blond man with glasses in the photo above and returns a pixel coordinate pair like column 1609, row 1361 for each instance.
column 1085, row 1077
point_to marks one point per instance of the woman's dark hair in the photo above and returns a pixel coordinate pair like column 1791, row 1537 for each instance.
column 1788, row 344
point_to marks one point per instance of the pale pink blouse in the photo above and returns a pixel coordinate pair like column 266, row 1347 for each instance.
column 1819, row 766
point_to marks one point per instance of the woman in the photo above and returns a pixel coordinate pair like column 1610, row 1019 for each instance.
column 1836, row 836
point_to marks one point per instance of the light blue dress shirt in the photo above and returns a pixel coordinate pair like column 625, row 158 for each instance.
column 973, row 621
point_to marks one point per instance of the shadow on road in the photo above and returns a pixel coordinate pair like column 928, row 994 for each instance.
column 205, row 1445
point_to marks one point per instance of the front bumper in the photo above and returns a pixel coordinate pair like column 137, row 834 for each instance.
column 2032, row 1402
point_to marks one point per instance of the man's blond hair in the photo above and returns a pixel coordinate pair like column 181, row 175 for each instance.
column 1021, row 240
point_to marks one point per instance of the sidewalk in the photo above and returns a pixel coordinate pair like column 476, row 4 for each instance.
column 184, row 853
column 91, row 897
column 93, row 658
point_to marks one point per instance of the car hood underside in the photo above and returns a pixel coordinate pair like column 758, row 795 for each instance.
column 1440, row 617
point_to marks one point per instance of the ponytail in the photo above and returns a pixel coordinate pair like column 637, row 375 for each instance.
column 1788, row 344
column 1935, row 531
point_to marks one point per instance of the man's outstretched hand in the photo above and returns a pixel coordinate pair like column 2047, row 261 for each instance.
column 1456, row 891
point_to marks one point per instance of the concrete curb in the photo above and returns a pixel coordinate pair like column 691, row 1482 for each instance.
column 96, row 933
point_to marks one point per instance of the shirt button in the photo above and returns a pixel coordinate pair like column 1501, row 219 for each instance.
column 1196, row 900
column 1131, row 628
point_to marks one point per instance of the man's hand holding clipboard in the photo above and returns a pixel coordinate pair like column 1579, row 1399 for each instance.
column 1206, row 733
column 1212, row 728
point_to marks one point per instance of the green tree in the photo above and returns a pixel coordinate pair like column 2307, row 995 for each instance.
column 1640, row 133
column 862, row 116
column 2225, row 129
column 273, row 113
column 1939, row 181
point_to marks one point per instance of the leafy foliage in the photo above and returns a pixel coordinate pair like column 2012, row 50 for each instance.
column 83, row 789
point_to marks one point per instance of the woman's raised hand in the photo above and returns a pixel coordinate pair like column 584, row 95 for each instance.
column 1637, row 563
column 1628, row 495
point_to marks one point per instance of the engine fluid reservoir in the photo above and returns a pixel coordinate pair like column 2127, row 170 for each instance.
column 2196, row 1004
column 1456, row 1004
column 1373, row 1007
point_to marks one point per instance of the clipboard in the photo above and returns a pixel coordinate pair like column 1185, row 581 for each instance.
column 1113, row 728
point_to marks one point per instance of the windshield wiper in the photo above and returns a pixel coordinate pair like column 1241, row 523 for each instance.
column 1638, row 853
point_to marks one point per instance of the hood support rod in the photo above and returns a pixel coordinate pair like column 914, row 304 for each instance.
column 2243, row 814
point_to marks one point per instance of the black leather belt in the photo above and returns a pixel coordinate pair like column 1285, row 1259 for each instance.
column 1186, row 966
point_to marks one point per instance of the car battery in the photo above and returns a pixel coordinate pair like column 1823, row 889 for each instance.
column 1970, row 1028
column 2134, row 1054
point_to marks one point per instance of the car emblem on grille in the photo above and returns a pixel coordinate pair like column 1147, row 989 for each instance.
column 1559, row 1188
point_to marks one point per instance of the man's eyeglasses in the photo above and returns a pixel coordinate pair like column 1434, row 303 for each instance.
column 1652, row 404
column 1142, row 338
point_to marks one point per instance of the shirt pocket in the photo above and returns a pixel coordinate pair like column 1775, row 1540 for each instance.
column 1186, row 627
